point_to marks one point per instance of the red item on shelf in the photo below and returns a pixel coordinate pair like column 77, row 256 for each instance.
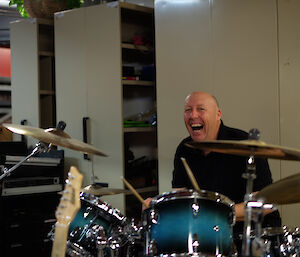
column 5, row 62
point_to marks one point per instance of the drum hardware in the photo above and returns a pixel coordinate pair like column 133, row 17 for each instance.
column 152, row 251
column 134, row 234
column 114, row 242
column 40, row 147
column 153, row 216
column 195, row 244
column 195, row 208
column 101, row 241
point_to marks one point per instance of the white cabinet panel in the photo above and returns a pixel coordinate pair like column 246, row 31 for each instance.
column 89, row 85
column 289, row 57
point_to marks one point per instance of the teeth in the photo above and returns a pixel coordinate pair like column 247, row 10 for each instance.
column 197, row 126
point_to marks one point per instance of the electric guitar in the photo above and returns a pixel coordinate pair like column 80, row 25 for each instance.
column 66, row 211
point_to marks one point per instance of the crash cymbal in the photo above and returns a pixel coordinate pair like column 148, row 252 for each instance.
column 54, row 137
column 246, row 147
column 99, row 191
column 284, row 191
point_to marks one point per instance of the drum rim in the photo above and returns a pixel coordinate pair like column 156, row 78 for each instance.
column 104, row 207
column 192, row 194
column 186, row 255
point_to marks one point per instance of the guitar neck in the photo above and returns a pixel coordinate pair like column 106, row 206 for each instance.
column 60, row 239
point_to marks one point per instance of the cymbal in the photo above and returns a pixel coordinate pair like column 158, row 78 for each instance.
column 284, row 191
column 99, row 191
column 54, row 137
column 246, row 147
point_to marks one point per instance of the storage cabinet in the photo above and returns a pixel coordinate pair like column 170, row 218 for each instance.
column 25, row 223
column 105, row 75
column 32, row 72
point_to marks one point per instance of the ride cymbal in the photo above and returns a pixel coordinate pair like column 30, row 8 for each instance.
column 284, row 191
column 246, row 148
column 100, row 191
column 54, row 137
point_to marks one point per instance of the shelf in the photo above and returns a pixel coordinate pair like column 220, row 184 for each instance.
column 6, row 88
column 136, row 47
column 137, row 83
column 46, row 53
column 5, row 80
column 139, row 129
column 47, row 92
column 5, row 110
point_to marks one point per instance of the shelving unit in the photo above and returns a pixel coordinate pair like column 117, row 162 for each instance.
column 33, row 72
column 139, row 98
column 5, row 102
column 104, row 55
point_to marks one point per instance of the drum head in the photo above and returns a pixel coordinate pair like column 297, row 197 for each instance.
column 189, row 193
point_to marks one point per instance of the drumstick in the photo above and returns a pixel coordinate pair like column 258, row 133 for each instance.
column 135, row 192
column 190, row 173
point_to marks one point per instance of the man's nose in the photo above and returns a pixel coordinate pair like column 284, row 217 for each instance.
column 194, row 113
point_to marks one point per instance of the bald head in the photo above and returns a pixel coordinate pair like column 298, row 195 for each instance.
column 202, row 116
column 203, row 94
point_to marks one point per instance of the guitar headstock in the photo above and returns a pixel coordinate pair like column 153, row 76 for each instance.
column 70, row 200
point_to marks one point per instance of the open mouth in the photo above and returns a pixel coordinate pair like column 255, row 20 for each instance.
column 197, row 126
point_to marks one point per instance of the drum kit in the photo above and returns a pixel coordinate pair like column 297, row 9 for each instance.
column 177, row 223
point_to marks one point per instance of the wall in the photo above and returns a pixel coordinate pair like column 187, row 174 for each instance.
column 243, row 52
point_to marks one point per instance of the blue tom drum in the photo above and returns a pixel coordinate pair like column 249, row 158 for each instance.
column 185, row 222
column 96, row 221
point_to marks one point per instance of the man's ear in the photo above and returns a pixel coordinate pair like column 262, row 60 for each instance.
column 219, row 114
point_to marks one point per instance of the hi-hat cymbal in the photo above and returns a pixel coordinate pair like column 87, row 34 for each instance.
column 99, row 191
column 247, row 147
column 54, row 137
column 284, row 191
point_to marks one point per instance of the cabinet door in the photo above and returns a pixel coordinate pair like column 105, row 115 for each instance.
column 104, row 92
column 88, row 74
column 24, row 72
column 71, row 83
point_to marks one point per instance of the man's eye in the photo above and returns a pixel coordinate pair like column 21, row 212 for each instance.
column 187, row 110
column 200, row 109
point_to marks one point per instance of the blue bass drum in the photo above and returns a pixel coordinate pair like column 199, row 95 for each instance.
column 185, row 222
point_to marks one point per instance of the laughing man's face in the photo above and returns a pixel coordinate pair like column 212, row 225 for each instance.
column 202, row 116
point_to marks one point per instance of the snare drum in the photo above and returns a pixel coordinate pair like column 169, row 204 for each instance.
column 96, row 226
column 185, row 222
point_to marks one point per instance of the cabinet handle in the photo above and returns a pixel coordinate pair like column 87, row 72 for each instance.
column 23, row 138
column 85, row 137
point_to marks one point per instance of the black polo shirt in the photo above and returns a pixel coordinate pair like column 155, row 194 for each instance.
column 222, row 173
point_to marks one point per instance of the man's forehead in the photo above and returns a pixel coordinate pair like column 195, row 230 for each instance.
column 199, row 100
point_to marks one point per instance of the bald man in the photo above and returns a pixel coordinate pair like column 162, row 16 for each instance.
column 213, row 171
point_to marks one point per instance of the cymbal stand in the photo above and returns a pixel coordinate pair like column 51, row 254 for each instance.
column 250, row 175
column 259, row 246
column 39, row 147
